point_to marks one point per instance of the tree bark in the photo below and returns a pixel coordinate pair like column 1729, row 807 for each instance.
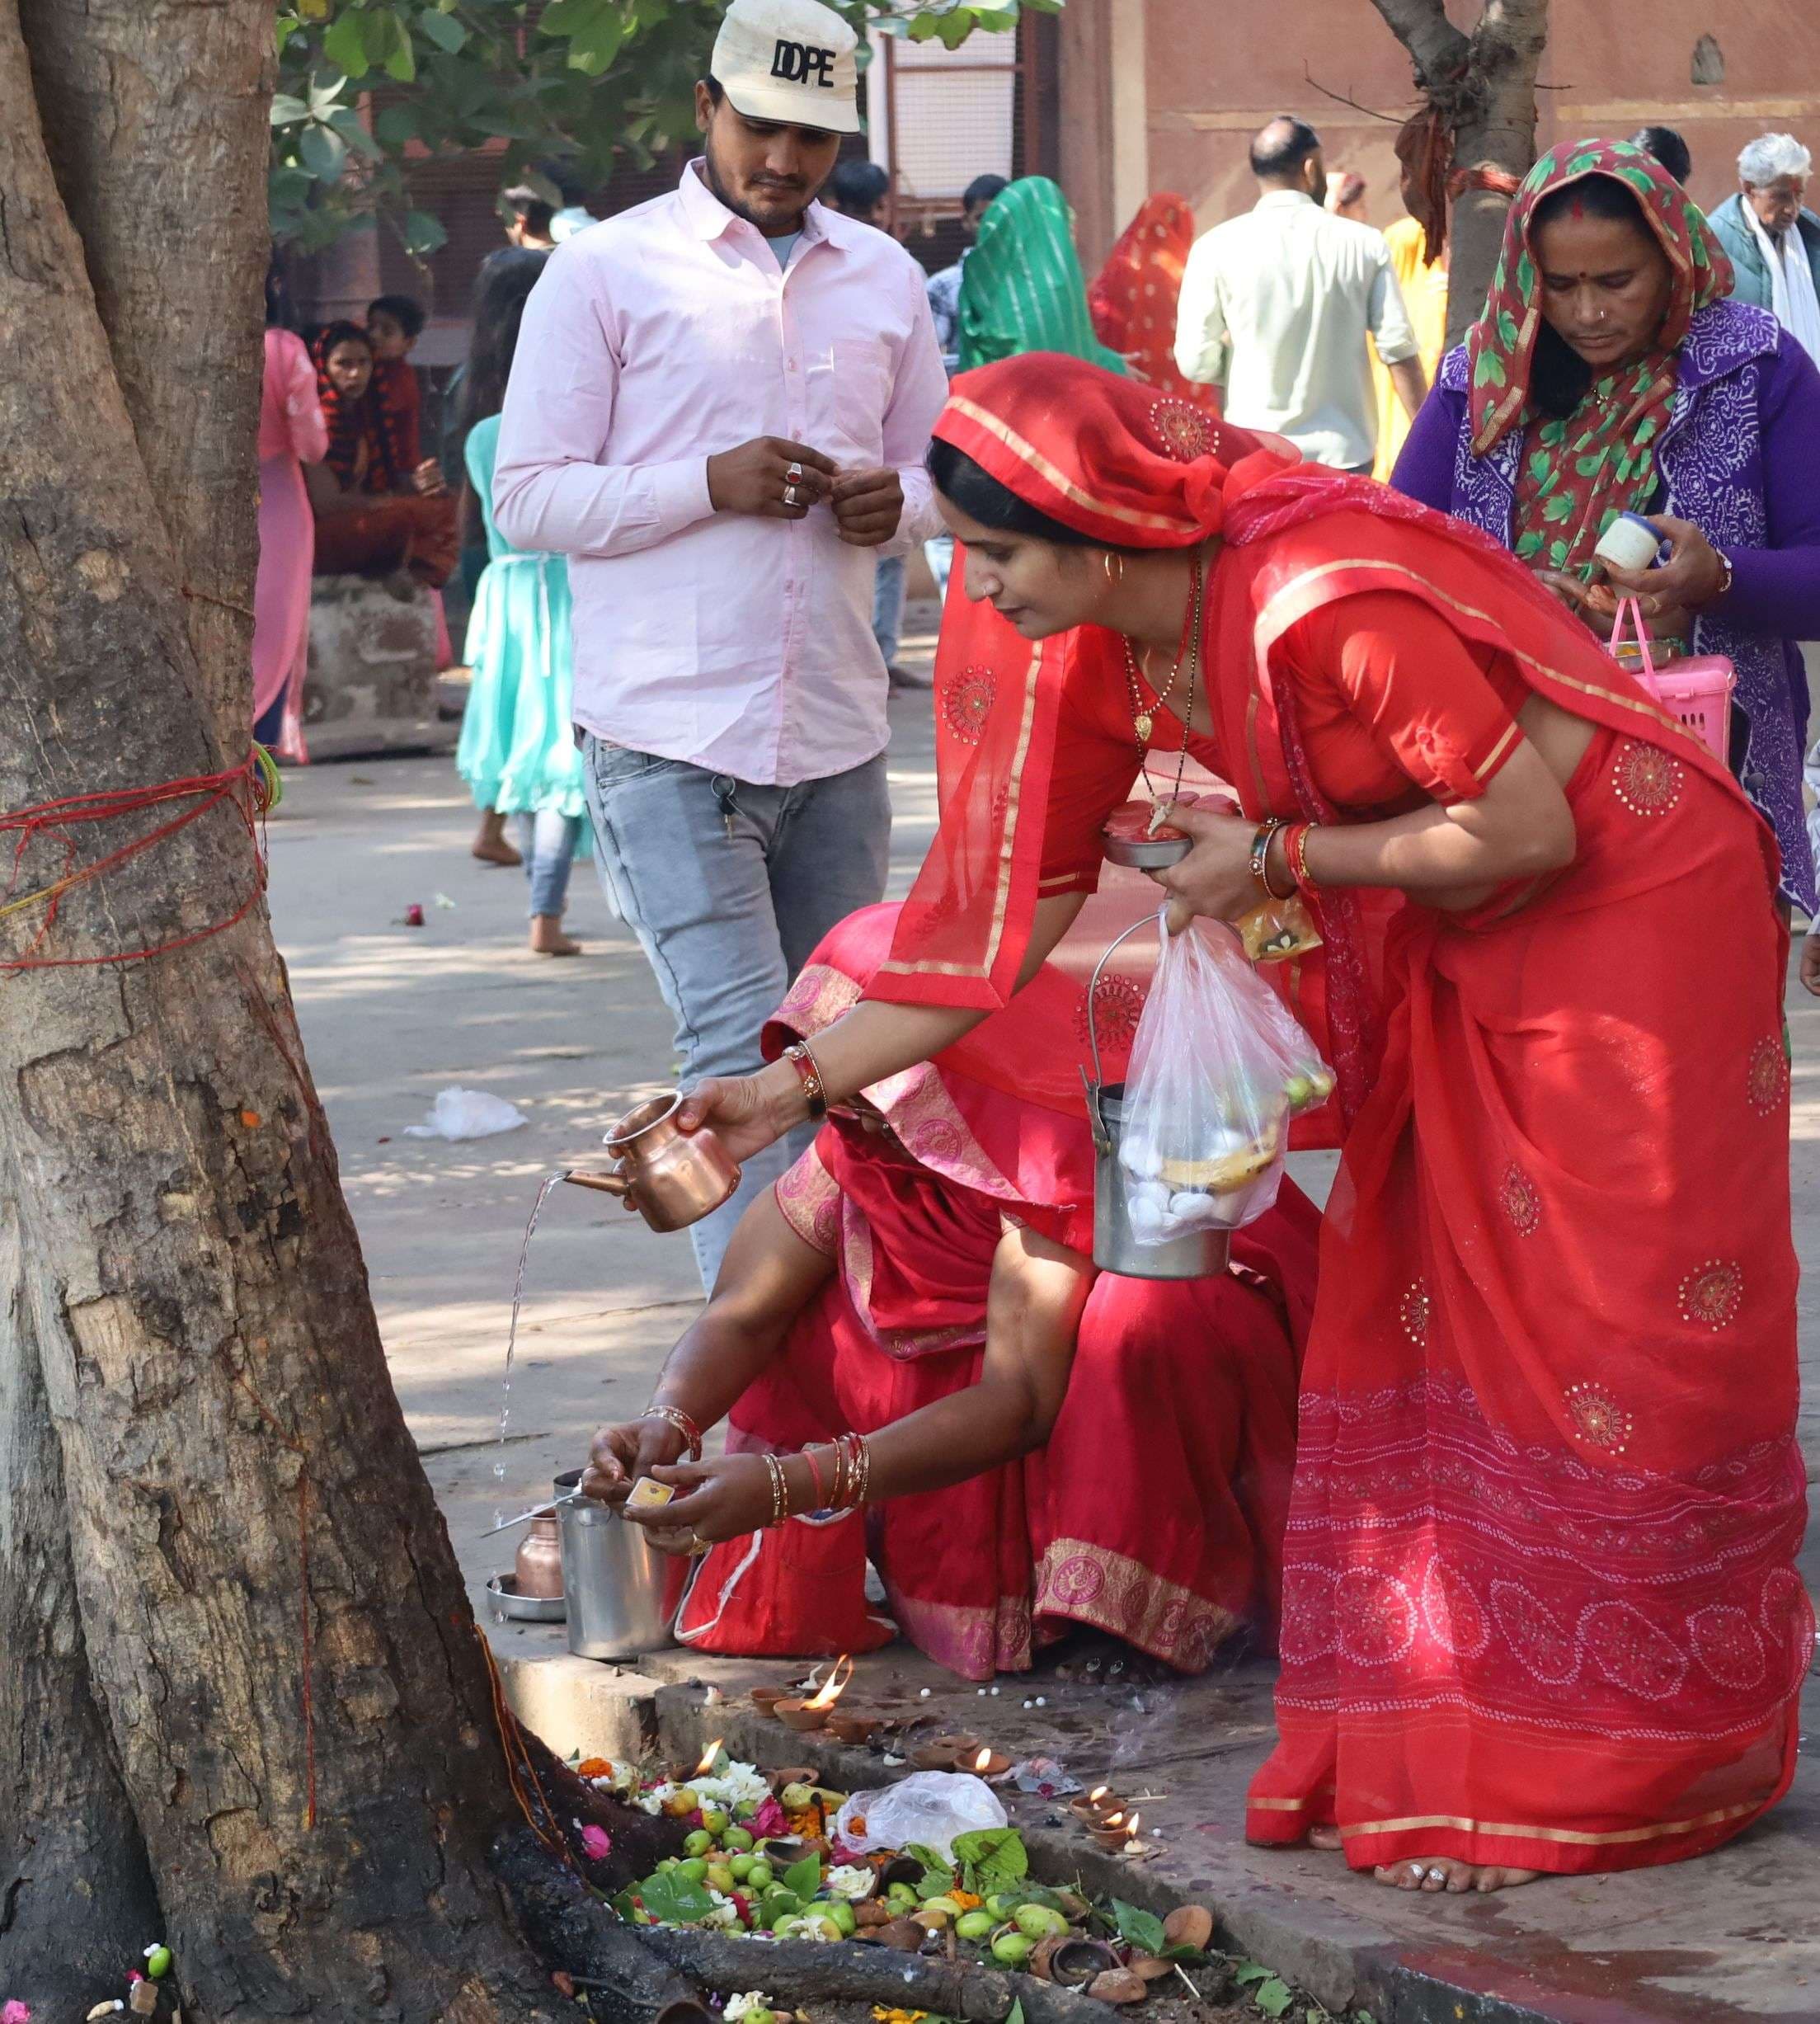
column 268, row 1600
column 155, row 115
column 1484, row 85
column 76, row 1894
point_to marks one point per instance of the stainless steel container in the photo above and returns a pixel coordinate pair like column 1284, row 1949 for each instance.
column 1197, row 1253
column 613, row 1580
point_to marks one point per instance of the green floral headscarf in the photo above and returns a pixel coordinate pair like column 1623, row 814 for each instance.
column 1580, row 471
column 1022, row 289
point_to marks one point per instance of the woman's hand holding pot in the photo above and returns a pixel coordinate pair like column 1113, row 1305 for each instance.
column 1215, row 877
column 747, row 1113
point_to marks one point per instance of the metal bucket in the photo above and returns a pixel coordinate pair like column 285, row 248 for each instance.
column 613, row 1580
column 1197, row 1253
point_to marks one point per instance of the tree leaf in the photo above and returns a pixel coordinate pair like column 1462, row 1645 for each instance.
column 346, row 122
column 674, row 1898
column 345, row 42
column 1143, row 1929
column 322, row 152
column 399, row 59
column 1273, row 1997
column 444, row 30
column 1014, row 2015
column 395, row 126
column 1249, row 1971
column 287, row 110
column 992, row 1859
column 803, row 1879
column 423, row 233
column 937, row 1875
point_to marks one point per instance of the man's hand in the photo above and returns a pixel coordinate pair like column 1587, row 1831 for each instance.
column 1810, row 962
column 867, row 507
column 754, row 478
column 427, row 479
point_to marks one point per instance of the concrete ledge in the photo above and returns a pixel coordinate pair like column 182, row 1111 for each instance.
column 371, row 684
column 579, row 1704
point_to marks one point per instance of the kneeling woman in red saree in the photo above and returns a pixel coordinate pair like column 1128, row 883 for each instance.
column 1043, row 1447
column 1540, row 1610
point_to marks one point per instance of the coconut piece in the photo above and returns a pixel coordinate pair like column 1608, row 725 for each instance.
column 869, row 1912
column 1147, row 1968
column 1189, row 1925
column 903, row 1934
column 1117, row 1985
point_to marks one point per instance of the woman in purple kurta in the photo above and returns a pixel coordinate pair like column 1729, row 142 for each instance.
column 1609, row 373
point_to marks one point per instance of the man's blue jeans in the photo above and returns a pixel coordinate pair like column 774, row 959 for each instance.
column 888, row 606
column 728, row 887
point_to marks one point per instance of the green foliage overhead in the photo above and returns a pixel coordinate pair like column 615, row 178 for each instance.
column 371, row 92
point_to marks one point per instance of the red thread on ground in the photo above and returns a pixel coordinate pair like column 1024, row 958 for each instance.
column 243, row 786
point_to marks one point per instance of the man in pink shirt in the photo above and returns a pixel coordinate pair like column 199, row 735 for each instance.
column 718, row 412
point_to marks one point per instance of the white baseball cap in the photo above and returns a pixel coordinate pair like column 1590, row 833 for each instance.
column 791, row 61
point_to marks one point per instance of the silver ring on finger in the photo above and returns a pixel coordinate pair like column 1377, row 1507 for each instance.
column 793, row 471
column 1437, row 1876
column 791, row 497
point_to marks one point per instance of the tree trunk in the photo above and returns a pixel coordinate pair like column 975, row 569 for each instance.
column 1484, row 86
column 268, row 1601
column 76, row 1895
column 155, row 115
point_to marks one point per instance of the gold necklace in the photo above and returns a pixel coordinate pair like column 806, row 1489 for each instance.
column 1143, row 720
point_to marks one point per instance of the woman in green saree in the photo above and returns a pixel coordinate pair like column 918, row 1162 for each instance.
column 1022, row 289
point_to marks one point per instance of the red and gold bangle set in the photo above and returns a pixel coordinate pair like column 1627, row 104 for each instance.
column 852, row 1472
column 1295, row 835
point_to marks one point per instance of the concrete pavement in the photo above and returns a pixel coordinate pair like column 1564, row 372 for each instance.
column 391, row 1014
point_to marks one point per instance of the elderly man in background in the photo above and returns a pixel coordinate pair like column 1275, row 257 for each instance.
column 1276, row 306
column 718, row 410
column 1774, row 240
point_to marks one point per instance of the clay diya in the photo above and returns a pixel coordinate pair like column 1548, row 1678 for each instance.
column 939, row 1753
column 982, row 1762
column 805, row 1715
column 765, row 1698
column 1075, row 1963
column 1092, row 1807
column 1117, row 1830
column 852, row 1725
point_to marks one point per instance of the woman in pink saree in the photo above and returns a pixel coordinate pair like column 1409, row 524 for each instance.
column 292, row 433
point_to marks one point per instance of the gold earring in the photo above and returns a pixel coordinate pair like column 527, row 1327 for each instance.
column 1113, row 564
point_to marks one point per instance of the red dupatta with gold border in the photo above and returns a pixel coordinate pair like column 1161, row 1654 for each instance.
column 1124, row 467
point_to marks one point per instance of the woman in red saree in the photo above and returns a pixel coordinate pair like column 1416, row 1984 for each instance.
column 1135, row 296
column 871, row 1291
column 1540, row 1610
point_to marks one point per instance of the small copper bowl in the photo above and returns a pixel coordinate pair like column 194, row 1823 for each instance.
column 1092, row 1807
column 799, row 1715
column 850, row 1725
column 1114, row 1831
column 764, row 1699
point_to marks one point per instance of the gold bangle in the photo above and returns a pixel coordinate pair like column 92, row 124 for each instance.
column 680, row 1420
column 780, row 1489
column 1260, row 853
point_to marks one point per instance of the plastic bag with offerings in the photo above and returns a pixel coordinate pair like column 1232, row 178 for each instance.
column 1218, row 1067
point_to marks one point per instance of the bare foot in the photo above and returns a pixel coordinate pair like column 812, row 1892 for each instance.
column 1324, row 1837
column 547, row 938
column 1434, row 1874
column 490, row 845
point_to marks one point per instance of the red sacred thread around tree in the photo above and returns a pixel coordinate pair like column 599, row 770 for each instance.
column 249, row 789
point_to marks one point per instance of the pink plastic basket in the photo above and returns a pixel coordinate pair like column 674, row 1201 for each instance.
column 1698, row 691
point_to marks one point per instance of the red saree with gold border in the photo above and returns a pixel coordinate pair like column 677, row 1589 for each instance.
column 1540, row 1608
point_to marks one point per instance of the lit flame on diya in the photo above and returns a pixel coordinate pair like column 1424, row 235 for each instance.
column 982, row 1760
column 709, row 1755
column 1098, row 1793
column 835, row 1685
column 1132, row 1830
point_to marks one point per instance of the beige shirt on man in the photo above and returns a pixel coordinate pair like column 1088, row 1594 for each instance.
column 1275, row 308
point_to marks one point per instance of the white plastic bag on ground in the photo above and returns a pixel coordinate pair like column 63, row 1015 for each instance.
column 929, row 1808
column 1218, row 1066
column 467, row 1114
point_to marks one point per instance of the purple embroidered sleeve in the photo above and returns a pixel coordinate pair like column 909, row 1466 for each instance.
column 1425, row 466
column 1776, row 588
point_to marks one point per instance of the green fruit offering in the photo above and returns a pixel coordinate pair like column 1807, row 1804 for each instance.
column 974, row 1925
column 742, row 1868
column 1037, row 1922
column 738, row 1838
column 719, row 1878
column 827, row 1928
column 796, row 1797
column 1002, row 1904
column 694, row 1869
column 698, row 1842
column 716, row 1822
column 901, row 1895
column 158, row 1962
column 941, row 1902
column 761, row 2016
column 783, row 1923
column 762, row 1875
column 778, row 1901
column 1013, row 1949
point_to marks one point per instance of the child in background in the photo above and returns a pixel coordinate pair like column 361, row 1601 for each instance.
column 517, row 752
column 393, row 325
